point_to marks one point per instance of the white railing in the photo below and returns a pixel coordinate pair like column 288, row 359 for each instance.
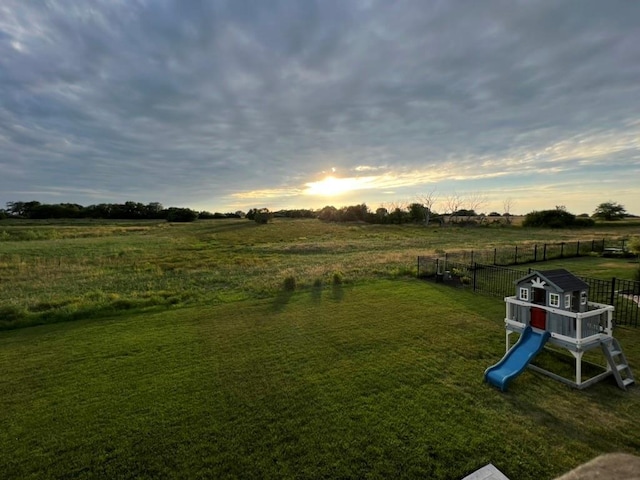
column 589, row 325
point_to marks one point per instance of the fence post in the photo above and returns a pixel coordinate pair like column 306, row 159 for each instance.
column 475, row 272
column 623, row 240
column 561, row 249
column 445, row 262
column 535, row 252
column 578, row 249
column 471, row 257
column 515, row 262
column 593, row 245
column 495, row 254
column 544, row 253
column 613, row 290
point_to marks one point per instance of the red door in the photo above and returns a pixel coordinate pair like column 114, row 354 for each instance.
column 538, row 318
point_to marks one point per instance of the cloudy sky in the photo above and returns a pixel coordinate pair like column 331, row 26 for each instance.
column 227, row 105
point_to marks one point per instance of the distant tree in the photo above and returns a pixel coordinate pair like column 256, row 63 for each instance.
column 452, row 204
column 204, row 215
column 382, row 212
column 399, row 216
column 262, row 216
column 557, row 218
column 153, row 210
column 418, row 213
column 354, row 213
column 328, row 214
column 296, row 213
column 463, row 212
column 175, row 214
column 102, row 210
column 259, row 215
column 22, row 209
column 474, row 202
column 507, row 207
column 610, row 211
column 428, row 201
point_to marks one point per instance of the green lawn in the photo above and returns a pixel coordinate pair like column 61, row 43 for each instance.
column 173, row 351
column 381, row 379
column 591, row 266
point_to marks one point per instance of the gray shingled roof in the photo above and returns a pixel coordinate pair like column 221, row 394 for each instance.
column 564, row 280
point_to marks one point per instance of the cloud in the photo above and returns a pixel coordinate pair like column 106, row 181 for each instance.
column 212, row 103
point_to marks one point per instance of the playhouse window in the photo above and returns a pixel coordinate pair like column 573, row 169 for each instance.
column 524, row 294
column 567, row 300
column 583, row 298
column 554, row 300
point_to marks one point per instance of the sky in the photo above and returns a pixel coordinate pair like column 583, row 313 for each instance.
column 230, row 105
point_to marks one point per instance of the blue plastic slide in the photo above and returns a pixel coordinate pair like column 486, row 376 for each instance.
column 516, row 359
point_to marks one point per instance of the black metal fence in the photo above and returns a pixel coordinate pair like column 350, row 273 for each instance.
column 535, row 252
column 496, row 280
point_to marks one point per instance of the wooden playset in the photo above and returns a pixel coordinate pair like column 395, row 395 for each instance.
column 552, row 308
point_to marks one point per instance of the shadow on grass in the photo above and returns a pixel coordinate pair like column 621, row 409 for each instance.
column 316, row 293
column 281, row 300
column 337, row 292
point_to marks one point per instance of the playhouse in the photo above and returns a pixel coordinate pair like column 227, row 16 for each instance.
column 552, row 307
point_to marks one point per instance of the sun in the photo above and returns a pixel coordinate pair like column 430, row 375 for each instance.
column 332, row 186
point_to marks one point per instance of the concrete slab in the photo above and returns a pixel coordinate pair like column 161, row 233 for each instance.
column 488, row 472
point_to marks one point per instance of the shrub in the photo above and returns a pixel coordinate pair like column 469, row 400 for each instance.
column 338, row 278
column 290, row 284
column 557, row 218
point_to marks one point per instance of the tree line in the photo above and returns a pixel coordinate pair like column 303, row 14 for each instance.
column 416, row 212
column 108, row 211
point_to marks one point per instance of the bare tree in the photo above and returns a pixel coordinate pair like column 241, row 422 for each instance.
column 452, row 204
column 507, row 206
column 427, row 200
column 397, row 211
column 474, row 202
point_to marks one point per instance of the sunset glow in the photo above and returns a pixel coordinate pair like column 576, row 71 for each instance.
column 332, row 186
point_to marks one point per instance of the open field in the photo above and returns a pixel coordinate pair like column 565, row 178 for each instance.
column 377, row 380
column 187, row 358
column 63, row 271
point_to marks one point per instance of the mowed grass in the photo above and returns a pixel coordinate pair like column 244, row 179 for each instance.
column 593, row 266
column 186, row 357
column 381, row 379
